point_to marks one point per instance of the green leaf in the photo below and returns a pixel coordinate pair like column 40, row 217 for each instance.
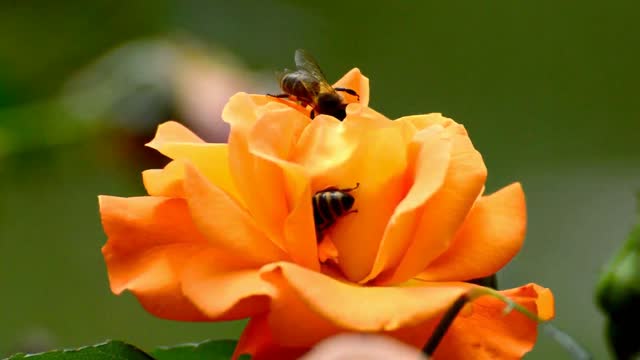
column 210, row 350
column 111, row 350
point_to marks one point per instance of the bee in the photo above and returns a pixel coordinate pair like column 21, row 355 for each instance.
column 329, row 205
column 308, row 86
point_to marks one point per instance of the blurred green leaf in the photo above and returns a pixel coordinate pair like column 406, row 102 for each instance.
column 111, row 350
column 40, row 125
column 211, row 350
column 618, row 295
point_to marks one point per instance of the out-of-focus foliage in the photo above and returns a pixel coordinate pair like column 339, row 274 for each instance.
column 547, row 90
column 212, row 350
column 618, row 295
column 112, row 350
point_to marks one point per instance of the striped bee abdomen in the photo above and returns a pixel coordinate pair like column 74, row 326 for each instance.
column 329, row 205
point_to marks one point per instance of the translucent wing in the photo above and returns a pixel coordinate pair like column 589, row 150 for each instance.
column 281, row 74
column 306, row 62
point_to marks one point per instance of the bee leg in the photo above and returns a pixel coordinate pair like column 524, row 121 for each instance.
column 352, row 211
column 335, row 188
column 330, row 188
column 280, row 96
column 313, row 114
column 350, row 189
column 349, row 91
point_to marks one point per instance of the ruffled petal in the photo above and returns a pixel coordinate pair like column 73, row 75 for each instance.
column 429, row 157
column 378, row 166
column 178, row 143
column 225, row 224
column 323, row 146
column 222, row 289
column 173, row 132
column 166, row 182
column 444, row 212
column 340, row 305
column 420, row 122
column 490, row 237
column 242, row 111
column 272, row 143
column 260, row 143
column 369, row 151
column 256, row 340
column 490, row 334
column 356, row 81
column 292, row 323
column 150, row 240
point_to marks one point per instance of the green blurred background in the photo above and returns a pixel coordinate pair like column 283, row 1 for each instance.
column 547, row 89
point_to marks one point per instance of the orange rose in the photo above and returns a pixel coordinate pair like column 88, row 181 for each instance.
column 227, row 231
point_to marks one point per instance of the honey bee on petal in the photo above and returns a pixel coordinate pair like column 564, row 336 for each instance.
column 308, row 86
column 329, row 205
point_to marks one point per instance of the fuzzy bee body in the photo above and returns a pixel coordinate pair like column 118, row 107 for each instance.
column 329, row 205
column 308, row 86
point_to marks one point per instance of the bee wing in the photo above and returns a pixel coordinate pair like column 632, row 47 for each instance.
column 281, row 74
column 306, row 62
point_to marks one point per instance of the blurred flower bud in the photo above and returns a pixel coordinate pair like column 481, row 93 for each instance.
column 618, row 295
column 144, row 82
column 364, row 347
column 203, row 82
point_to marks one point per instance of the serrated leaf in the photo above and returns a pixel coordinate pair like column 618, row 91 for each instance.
column 110, row 350
column 210, row 350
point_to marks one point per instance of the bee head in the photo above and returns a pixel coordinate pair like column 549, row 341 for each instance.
column 331, row 104
column 347, row 201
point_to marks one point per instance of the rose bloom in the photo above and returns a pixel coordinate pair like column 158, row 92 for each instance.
column 227, row 231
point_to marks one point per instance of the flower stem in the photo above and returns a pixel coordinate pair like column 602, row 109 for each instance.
column 444, row 324
column 567, row 342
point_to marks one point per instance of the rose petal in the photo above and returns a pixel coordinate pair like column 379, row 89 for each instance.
column 378, row 166
column 534, row 294
column 374, row 157
column 367, row 149
column 327, row 250
column 323, row 145
column 257, row 341
column 444, row 212
column 165, row 182
column 272, row 190
column 169, row 303
column 349, row 306
column 421, row 122
column 301, row 315
column 285, row 197
column 429, row 156
column 242, row 111
column 255, row 337
column 490, row 334
column 489, row 238
column 178, row 143
column 291, row 321
column 373, row 118
column 223, row 290
column 356, row 81
column 225, row 224
column 150, row 240
column 173, row 132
